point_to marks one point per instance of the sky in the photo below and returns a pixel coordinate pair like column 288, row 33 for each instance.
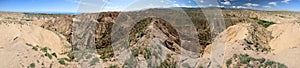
column 45, row 6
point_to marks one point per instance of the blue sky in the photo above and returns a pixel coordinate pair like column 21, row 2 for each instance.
column 127, row 5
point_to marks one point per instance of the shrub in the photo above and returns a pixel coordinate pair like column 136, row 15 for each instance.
column 54, row 54
column 32, row 65
column 94, row 61
column 28, row 44
column 35, row 48
column 135, row 52
column 62, row 61
column 261, row 60
column 228, row 62
column 48, row 55
column 112, row 66
column 44, row 49
column 71, row 56
column 147, row 53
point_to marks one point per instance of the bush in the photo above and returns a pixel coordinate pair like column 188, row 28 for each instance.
column 135, row 52
column 228, row 62
column 28, row 44
column 71, row 55
column 112, row 66
column 48, row 55
column 35, row 48
column 44, row 49
column 94, row 61
column 261, row 60
column 147, row 53
column 62, row 61
column 54, row 54
column 32, row 65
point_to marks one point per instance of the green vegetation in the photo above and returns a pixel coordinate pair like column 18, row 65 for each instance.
column 138, row 30
column 29, row 44
column 94, row 61
column 112, row 66
column 35, row 48
column 71, row 55
column 186, row 65
column 62, row 61
column 130, row 63
column 135, row 52
column 228, row 62
column 167, row 64
column 245, row 59
column 264, row 23
column 54, row 54
column 252, row 42
column 48, row 55
column 200, row 67
column 32, row 65
column 282, row 16
column 105, row 53
column 44, row 50
column 147, row 53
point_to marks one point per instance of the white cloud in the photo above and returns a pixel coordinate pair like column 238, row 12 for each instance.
column 273, row 3
column 226, row 3
column 267, row 6
column 233, row 6
column 220, row 6
column 286, row 1
column 241, row 7
column 238, row 7
column 201, row 1
column 151, row 6
column 105, row 1
column 251, row 5
column 176, row 5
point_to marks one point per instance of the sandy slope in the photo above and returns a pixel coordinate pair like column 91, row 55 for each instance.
column 286, row 43
column 15, row 53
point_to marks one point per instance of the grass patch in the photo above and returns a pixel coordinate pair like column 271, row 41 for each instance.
column 264, row 23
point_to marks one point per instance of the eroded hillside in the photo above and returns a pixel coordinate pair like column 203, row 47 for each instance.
column 253, row 39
